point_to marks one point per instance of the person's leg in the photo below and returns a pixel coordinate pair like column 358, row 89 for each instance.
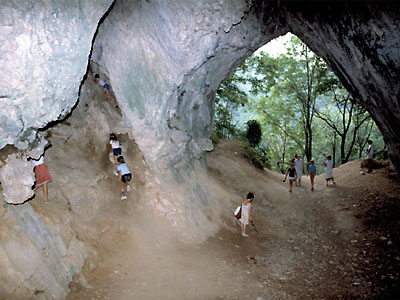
column 312, row 182
column 327, row 180
column 369, row 165
column 333, row 180
column 122, row 187
column 243, row 228
column 290, row 185
column 45, row 191
column 300, row 181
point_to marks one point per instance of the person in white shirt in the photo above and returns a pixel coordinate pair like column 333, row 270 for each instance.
column 370, row 155
column 298, row 162
column 124, row 175
column 115, row 147
column 329, row 170
column 42, row 176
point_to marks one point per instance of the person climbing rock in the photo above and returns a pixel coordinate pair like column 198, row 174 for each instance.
column 124, row 176
column 329, row 170
column 106, row 87
column 246, row 213
column 291, row 171
column 42, row 175
column 115, row 148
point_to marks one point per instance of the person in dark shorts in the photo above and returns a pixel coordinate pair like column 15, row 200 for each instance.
column 106, row 87
column 124, row 176
column 115, row 147
column 292, row 176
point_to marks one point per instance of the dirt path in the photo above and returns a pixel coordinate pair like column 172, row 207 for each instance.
column 308, row 246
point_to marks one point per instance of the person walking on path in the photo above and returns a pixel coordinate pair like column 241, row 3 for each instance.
column 124, row 176
column 115, row 147
column 246, row 213
column 329, row 170
column 291, row 171
column 370, row 155
column 106, row 87
column 312, row 171
column 299, row 169
column 42, row 176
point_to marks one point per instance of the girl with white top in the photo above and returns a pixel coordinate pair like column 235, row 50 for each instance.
column 246, row 213
column 124, row 175
column 42, row 176
column 329, row 170
column 115, row 147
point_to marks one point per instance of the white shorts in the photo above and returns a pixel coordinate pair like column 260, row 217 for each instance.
column 292, row 178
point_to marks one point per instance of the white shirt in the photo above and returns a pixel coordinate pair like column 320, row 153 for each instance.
column 298, row 163
column 38, row 162
column 114, row 144
column 371, row 150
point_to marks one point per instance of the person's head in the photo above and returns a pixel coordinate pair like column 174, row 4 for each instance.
column 120, row 159
column 250, row 196
column 298, row 156
column 311, row 162
column 113, row 137
column 292, row 164
column 369, row 142
column 96, row 78
column 328, row 157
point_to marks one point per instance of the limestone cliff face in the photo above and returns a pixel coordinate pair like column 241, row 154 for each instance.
column 44, row 48
column 165, row 61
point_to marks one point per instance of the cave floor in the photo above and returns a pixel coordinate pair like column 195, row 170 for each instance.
column 338, row 242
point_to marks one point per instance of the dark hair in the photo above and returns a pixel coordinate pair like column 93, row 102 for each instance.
column 369, row 142
column 250, row 196
column 329, row 157
column 120, row 159
column 113, row 137
column 97, row 76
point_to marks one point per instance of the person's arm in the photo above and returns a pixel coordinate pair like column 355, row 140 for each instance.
column 286, row 175
column 119, row 176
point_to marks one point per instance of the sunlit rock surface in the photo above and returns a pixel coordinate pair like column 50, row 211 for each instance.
column 17, row 179
column 39, row 253
column 44, row 48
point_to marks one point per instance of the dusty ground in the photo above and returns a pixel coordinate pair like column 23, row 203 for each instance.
column 338, row 242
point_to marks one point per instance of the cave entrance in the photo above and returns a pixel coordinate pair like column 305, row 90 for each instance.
column 298, row 103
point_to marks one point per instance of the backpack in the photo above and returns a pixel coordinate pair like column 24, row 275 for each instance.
column 238, row 212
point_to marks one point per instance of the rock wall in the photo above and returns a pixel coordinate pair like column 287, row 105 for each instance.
column 44, row 48
column 360, row 42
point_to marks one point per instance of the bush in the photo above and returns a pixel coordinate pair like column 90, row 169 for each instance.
column 258, row 159
column 214, row 138
column 254, row 133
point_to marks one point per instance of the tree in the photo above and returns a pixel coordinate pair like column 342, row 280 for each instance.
column 253, row 133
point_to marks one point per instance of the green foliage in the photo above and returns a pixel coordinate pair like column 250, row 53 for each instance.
column 214, row 138
column 301, row 108
column 257, row 156
column 253, row 133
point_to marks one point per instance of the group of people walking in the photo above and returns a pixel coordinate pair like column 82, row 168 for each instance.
column 121, row 169
column 296, row 169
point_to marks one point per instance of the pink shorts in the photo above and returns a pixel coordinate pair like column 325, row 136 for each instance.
column 42, row 174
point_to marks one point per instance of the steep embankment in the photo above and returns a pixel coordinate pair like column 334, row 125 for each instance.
column 309, row 245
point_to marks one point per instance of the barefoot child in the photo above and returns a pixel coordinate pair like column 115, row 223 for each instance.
column 312, row 171
column 329, row 170
column 124, row 176
column 246, row 213
column 115, row 147
column 292, row 176
column 42, row 175
column 106, row 87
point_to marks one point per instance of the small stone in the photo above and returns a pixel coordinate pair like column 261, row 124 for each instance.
column 383, row 238
column 354, row 241
column 390, row 243
column 356, row 283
